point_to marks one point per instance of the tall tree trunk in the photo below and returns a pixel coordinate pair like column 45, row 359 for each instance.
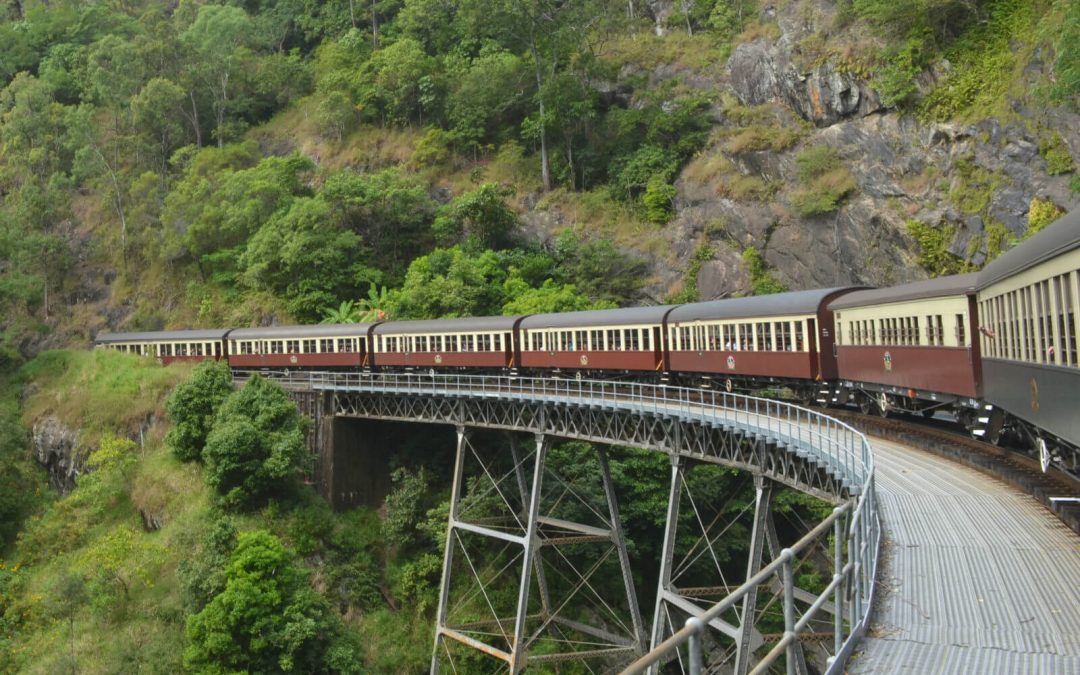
column 545, row 163
column 194, row 119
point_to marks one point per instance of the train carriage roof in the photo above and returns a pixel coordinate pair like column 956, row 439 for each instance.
column 628, row 316
column 779, row 304
column 475, row 324
column 956, row 284
column 300, row 332
column 163, row 336
column 1061, row 236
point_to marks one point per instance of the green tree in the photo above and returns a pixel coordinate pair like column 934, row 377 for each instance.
column 266, row 619
column 220, row 40
column 158, row 118
column 391, row 211
column 450, row 283
column 256, row 445
column 481, row 217
column 398, row 83
column 306, row 256
column 192, row 408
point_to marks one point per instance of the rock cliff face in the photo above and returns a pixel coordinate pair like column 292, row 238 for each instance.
column 975, row 182
column 56, row 448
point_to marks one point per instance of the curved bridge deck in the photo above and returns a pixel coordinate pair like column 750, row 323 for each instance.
column 978, row 578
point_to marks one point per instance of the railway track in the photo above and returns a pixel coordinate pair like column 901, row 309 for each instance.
column 1053, row 489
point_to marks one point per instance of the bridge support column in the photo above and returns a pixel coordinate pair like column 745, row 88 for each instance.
column 764, row 530
column 512, row 528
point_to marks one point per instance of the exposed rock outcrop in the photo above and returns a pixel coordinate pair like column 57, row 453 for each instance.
column 762, row 72
column 56, row 448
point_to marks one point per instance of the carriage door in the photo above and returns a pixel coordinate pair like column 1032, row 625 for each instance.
column 658, row 357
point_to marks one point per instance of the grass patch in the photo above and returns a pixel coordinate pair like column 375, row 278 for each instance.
column 757, row 138
column 972, row 186
column 99, row 390
column 762, row 282
column 934, row 255
column 825, row 180
column 647, row 51
column 1058, row 158
column 1042, row 212
column 986, row 65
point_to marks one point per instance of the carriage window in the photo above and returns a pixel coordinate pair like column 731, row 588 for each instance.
column 197, row 349
column 800, row 344
column 348, row 345
column 961, row 339
column 166, row 350
column 292, row 346
column 181, row 349
column 633, row 339
column 327, row 346
column 451, row 343
column 309, row 346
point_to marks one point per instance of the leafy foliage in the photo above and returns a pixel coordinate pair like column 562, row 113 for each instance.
column 761, row 280
column 256, row 444
column 192, row 408
column 826, row 182
column 265, row 619
column 934, row 255
column 1041, row 213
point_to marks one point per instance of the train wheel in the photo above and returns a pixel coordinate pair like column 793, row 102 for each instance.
column 927, row 412
column 866, row 404
column 883, row 404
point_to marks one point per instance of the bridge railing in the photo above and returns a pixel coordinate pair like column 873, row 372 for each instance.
column 812, row 435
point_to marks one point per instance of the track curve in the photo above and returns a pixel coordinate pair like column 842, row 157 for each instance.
column 976, row 577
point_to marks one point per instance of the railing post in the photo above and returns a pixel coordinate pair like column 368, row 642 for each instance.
column 838, row 572
column 695, row 647
column 789, row 610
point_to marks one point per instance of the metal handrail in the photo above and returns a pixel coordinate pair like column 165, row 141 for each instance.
column 831, row 443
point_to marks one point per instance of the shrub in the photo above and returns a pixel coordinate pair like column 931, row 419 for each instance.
column 934, row 255
column 659, row 200
column 256, row 445
column 1057, row 156
column 192, row 407
column 825, row 181
column 762, row 281
column 1041, row 213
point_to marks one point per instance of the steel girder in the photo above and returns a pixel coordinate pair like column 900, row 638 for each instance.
column 667, row 433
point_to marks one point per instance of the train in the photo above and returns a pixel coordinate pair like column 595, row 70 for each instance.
column 995, row 350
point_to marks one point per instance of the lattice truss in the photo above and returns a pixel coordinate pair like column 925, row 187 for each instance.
column 536, row 568
column 725, row 445
column 702, row 563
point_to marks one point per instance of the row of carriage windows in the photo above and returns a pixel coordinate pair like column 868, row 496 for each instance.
column 1036, row 323
column 406, row 344
column 309, row 346
column 600, row 340
column 772, row 336
column 928, row 330
column 172, row 349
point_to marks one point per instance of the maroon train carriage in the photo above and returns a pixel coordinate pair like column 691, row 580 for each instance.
column 782, row 339
column 169, row 346
column 480, row 342
column 329, row 346
column 614, row 340
column 911, row 347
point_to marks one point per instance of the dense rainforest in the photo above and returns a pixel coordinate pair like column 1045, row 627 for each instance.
column 196, row 164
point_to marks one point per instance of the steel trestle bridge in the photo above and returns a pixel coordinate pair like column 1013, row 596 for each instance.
column 524, row 543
